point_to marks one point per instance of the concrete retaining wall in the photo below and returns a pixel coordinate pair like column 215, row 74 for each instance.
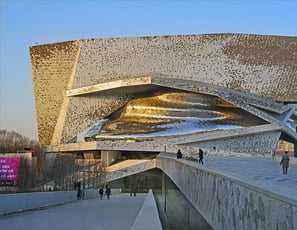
column 26, row 201
column 18, row 202
column 148, row 216
column 227, row 203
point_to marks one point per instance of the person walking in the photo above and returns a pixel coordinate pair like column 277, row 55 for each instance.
column 101, row 193
column 273, row 155
column 133, row 190
column 285, row 162
column 107, row 191
column 179, row 154
column 200, row 160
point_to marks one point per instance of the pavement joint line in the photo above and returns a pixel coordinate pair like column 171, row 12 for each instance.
column 40, row 208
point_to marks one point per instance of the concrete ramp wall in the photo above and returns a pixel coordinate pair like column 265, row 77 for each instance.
column 148, row 216
column 228, row 203
column 125, row 168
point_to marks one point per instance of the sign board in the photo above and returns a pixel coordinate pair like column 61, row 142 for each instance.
column 9, row 168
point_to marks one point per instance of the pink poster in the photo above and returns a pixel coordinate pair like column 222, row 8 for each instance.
column 9, row 168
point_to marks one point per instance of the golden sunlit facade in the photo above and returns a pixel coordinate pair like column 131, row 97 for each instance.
column 232, row 92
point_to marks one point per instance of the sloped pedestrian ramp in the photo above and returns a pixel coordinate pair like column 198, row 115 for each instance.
column 234, row 193
column 127, row 168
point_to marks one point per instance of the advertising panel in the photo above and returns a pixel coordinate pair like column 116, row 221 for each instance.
column 9, row 168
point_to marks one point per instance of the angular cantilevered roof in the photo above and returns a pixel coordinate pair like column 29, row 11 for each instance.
column 77, row 83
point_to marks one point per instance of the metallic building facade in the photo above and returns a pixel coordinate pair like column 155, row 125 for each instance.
column 234, row 92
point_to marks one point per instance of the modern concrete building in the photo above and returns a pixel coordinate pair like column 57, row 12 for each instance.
column 233, row 92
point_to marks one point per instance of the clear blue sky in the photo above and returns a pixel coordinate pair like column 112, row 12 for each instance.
column 24, row 23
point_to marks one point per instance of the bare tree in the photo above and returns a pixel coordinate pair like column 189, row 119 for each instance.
column 27, row 176
column 63, row 171
column 11, row 142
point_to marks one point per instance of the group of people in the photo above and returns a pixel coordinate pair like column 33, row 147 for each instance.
column 179, row 155
column 107, row 192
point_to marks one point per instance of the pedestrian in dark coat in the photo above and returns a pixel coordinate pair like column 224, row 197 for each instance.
column 285, row 162
column 107, row 192
column 101, row 193
column 200, row 160
column 133, row 190
column 178, row 154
